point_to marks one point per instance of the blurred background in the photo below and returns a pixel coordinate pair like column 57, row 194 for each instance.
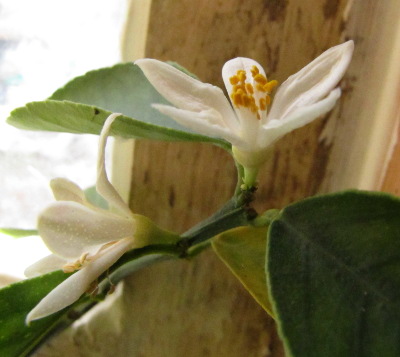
column 43, row 45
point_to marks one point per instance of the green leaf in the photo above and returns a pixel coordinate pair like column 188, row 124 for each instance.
column 18, row 232
column 242, row 249
column 121, row 89
column 334, row 275
column 69, row 117
column 16, row 300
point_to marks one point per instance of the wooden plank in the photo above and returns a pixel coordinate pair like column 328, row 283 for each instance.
column 364, row 134
column 138, row 14
column 391, row 179
column 175, row 184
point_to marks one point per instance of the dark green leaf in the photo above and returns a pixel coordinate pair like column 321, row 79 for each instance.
column 243, row 249
column 16, row 300
column 18, row 232
column 334, row 275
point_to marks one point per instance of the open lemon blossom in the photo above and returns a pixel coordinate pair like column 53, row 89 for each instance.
column 255, row 122
column 85, row 238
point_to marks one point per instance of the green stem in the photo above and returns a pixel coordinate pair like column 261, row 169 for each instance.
column 250, row 176
column 214, row 225
column 233, row 214
column 240, row 173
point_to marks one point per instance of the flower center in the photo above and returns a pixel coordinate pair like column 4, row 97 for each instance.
column 256, row 96
column 86, row 258
column 77, row 265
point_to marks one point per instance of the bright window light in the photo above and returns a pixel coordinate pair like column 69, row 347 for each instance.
column 44, row 44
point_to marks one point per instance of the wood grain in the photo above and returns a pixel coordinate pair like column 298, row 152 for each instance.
column 391, row 179
column 363, row 133
column 202, row 35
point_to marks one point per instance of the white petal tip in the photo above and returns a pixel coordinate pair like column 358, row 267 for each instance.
column 349, row 44
column 141, row 61
column 348, row 47
column 149, row 64
column 32, row 316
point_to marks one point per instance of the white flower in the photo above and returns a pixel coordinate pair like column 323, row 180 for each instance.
column 84, row 237
column 253, row 124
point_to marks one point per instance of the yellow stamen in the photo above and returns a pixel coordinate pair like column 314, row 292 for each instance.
column 238, row 87
column 253, row 105
column 246, row 101
column 253, row 96
column 242, row 75
column 234, row 80
column 69, row 268
column 79, row 264
column 270, row 86
column 259, row 78
column 249, row 88
column 260, row 87
column 263, row 104
column 237, row 99
column 254, row 71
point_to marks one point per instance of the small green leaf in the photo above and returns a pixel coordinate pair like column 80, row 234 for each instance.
column 16, row 300
column 334, row 275
column 120, row 89
column 18, row 232
column 242, row 249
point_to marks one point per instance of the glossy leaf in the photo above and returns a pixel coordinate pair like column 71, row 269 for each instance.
column 122, row 89
column 334, row 275
column 243, row 249
column 16, row 300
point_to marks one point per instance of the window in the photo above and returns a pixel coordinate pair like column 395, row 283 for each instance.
column 44, row 44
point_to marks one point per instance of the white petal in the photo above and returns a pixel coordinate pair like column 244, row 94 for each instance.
column 45, row 265
column 72, row 288
column 203, row 122
column 103, row 185
column 250, row 122
column 234, row 65
column 313, row 82
column 186, row 92
column 275, row 129
column 66, row 190
column 70, row 229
